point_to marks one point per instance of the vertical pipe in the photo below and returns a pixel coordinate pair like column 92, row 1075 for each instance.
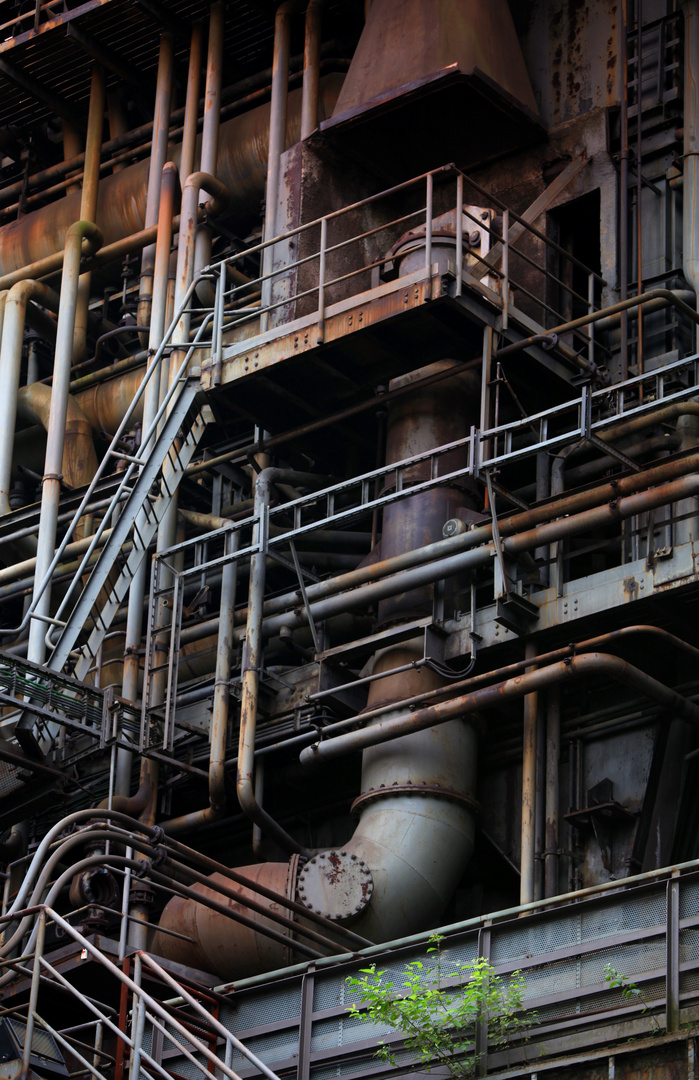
column 459, row 232
column 553, row 752
column 51, row 484
column 252, row 661
column 528, row 856
column 540, row 806
column 161, row 130
column 157, row 327
column 210, row 128
column 277, row 141
column 505, row 267
column 311, row 68
column 189, row 131
column 88, row 201
column 690, row 187
column 639, row 176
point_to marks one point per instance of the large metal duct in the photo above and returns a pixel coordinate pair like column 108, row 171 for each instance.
column 416, row 806
column 121, row 208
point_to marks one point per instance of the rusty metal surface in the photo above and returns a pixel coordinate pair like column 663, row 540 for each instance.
column 364, row 311
column 405, row 40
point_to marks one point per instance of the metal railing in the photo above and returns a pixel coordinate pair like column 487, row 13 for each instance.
column 146, row 1012
column 338, row 259
column 645, row 928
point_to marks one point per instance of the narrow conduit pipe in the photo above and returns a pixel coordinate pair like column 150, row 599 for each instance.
column 51, row 485
column 14, row 318
column 191, row 108
column 158, row 156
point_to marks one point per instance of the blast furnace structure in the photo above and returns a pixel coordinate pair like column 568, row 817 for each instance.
column 349, row 465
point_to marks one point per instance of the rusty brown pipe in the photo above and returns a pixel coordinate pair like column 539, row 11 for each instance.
column 158, row 156
column 586, row 665
column 311, row 68
column 88, row 202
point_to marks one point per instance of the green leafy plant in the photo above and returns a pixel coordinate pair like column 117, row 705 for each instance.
column 629, row 990
column 438, row 1011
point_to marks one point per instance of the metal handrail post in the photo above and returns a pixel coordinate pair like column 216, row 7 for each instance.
column 321, row 278
column 428, row 226
column 591, row 308
column 140, row 1010
column 459, row 232
column 34, row 992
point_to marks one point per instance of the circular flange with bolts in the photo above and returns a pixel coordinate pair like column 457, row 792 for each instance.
column 336, row 884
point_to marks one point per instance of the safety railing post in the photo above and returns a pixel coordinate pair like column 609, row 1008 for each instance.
column 591, row 308
column 428, row 230
column 321, row 278
column 34, row 992
column 217, row 330
column 139, row 1020
column 672, row 954
column 459, row 232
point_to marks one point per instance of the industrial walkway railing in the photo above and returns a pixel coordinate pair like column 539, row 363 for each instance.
column 147, row 1015
column 645, row 930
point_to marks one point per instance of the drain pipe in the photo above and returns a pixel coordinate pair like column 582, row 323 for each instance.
column 209, row 137
column 690, row 206
column 15, row 310
column 161, row 131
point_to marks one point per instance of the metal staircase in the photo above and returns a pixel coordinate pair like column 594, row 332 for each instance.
column 159, row 474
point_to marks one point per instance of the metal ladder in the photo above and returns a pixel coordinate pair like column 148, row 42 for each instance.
column 159, row 475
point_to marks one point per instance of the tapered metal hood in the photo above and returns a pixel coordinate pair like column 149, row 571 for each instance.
column 405, row 41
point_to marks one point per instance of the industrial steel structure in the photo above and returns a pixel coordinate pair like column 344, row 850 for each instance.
column 349, row 466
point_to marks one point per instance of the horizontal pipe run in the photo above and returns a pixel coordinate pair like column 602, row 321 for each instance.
column 587, row 665
column 667, row 296
column 427, row 565
column 561, row 507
